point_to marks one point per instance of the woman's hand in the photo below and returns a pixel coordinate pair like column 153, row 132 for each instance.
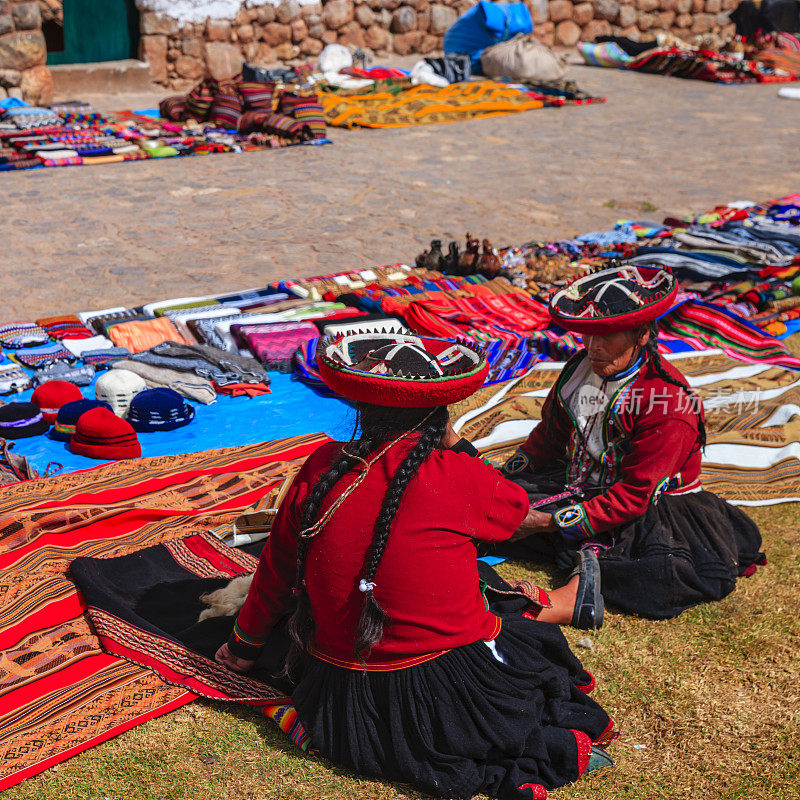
column 535, row 522
column 232, row 662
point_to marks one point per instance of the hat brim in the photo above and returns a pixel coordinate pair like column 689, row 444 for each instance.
column 115, row 453
column 616, row 323
column 397, row 391
column 36, row 429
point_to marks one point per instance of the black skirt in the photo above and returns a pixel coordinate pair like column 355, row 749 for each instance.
column 686, row 549
column 463, row 723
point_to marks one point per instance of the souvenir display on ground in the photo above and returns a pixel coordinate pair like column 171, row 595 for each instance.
column 191, row 374
column 195, row 373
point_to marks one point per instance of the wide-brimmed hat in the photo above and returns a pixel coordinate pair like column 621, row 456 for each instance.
column 614, row 299
column 403, row 370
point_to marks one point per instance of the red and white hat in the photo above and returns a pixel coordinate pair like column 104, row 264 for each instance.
column 614, row 299
column 51, row 395
column 100, row 433
column 402, row 370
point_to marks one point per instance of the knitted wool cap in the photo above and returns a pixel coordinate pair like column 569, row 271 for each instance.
column 159, row 409
column 117, row 388
column 99, row 433
column 50, row 396
column 19, row 420
column 68, row 416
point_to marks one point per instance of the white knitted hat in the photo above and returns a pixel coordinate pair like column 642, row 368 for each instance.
column 118, row 387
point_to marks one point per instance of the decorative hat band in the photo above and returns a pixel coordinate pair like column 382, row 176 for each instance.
column 20, row 423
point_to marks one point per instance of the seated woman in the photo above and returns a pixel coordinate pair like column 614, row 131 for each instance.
column 408, row 665
column 614, row 464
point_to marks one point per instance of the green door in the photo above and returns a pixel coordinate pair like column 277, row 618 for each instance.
column 98, row 30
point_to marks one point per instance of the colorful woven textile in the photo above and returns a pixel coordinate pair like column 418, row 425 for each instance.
column 603, row 54
column 786, row 60
column 173, row 108
column 426, row 105
column 199, row 100
column 273, row 123
column 67, row 326
column 226, row 110
column 60, row 693
column 749, row 458
column 36, row 357
column 705, row 65
column 275, row 344
column 14, row 335
column 256, row 96
column 305, row 109
column 705, row 325
column 143, row 334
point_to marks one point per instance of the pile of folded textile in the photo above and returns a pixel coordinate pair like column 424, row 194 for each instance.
column 75, row 135
column 759, row 59
column 252, row 104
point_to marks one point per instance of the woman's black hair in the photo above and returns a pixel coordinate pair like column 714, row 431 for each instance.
column 375, row 426
column 655, row 359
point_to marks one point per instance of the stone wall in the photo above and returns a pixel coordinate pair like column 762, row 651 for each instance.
column 567, row 22
column 180, row 53
column 23, row 73
column 267, row 34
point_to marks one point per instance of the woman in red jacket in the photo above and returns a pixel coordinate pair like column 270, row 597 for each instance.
column 614, row 465
column 410, row 663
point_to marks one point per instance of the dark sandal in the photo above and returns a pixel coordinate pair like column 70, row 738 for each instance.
column 589, row 606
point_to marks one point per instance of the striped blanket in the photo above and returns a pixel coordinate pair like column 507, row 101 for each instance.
column 423, row 105
column 752, row 419
column 60, row 693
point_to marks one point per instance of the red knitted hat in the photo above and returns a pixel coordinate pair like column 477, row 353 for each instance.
column 100, row 433
column 615, row 299
column 402, row 370
column 51, row 395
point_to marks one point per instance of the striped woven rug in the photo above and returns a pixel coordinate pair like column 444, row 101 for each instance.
column 752, row 418
column 59, row 692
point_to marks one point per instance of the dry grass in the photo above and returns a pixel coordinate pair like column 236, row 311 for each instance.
column 713, row 696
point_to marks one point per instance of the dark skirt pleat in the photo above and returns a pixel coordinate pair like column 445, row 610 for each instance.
column 686, row 549
column 463, row 723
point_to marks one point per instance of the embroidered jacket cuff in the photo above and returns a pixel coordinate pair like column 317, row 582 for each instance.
column 518, row 462
column 243, row 646
column 573, row 524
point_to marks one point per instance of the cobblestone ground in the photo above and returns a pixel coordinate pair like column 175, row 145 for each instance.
column 124, row 234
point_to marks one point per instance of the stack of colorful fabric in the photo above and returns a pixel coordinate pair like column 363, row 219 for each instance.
column 249, row 107
column 708, row 65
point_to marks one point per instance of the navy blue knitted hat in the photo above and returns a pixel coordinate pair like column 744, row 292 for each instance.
column 159, row 410
column 68, row 416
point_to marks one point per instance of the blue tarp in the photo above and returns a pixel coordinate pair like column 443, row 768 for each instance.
column 486, row 24
column 293, row 409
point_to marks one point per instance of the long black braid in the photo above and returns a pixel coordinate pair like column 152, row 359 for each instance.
column 373, row 617
column 301, row 624
column 375, row 426
column 655, row 359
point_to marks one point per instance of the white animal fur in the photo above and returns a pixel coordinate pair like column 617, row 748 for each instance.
column 227, row 601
